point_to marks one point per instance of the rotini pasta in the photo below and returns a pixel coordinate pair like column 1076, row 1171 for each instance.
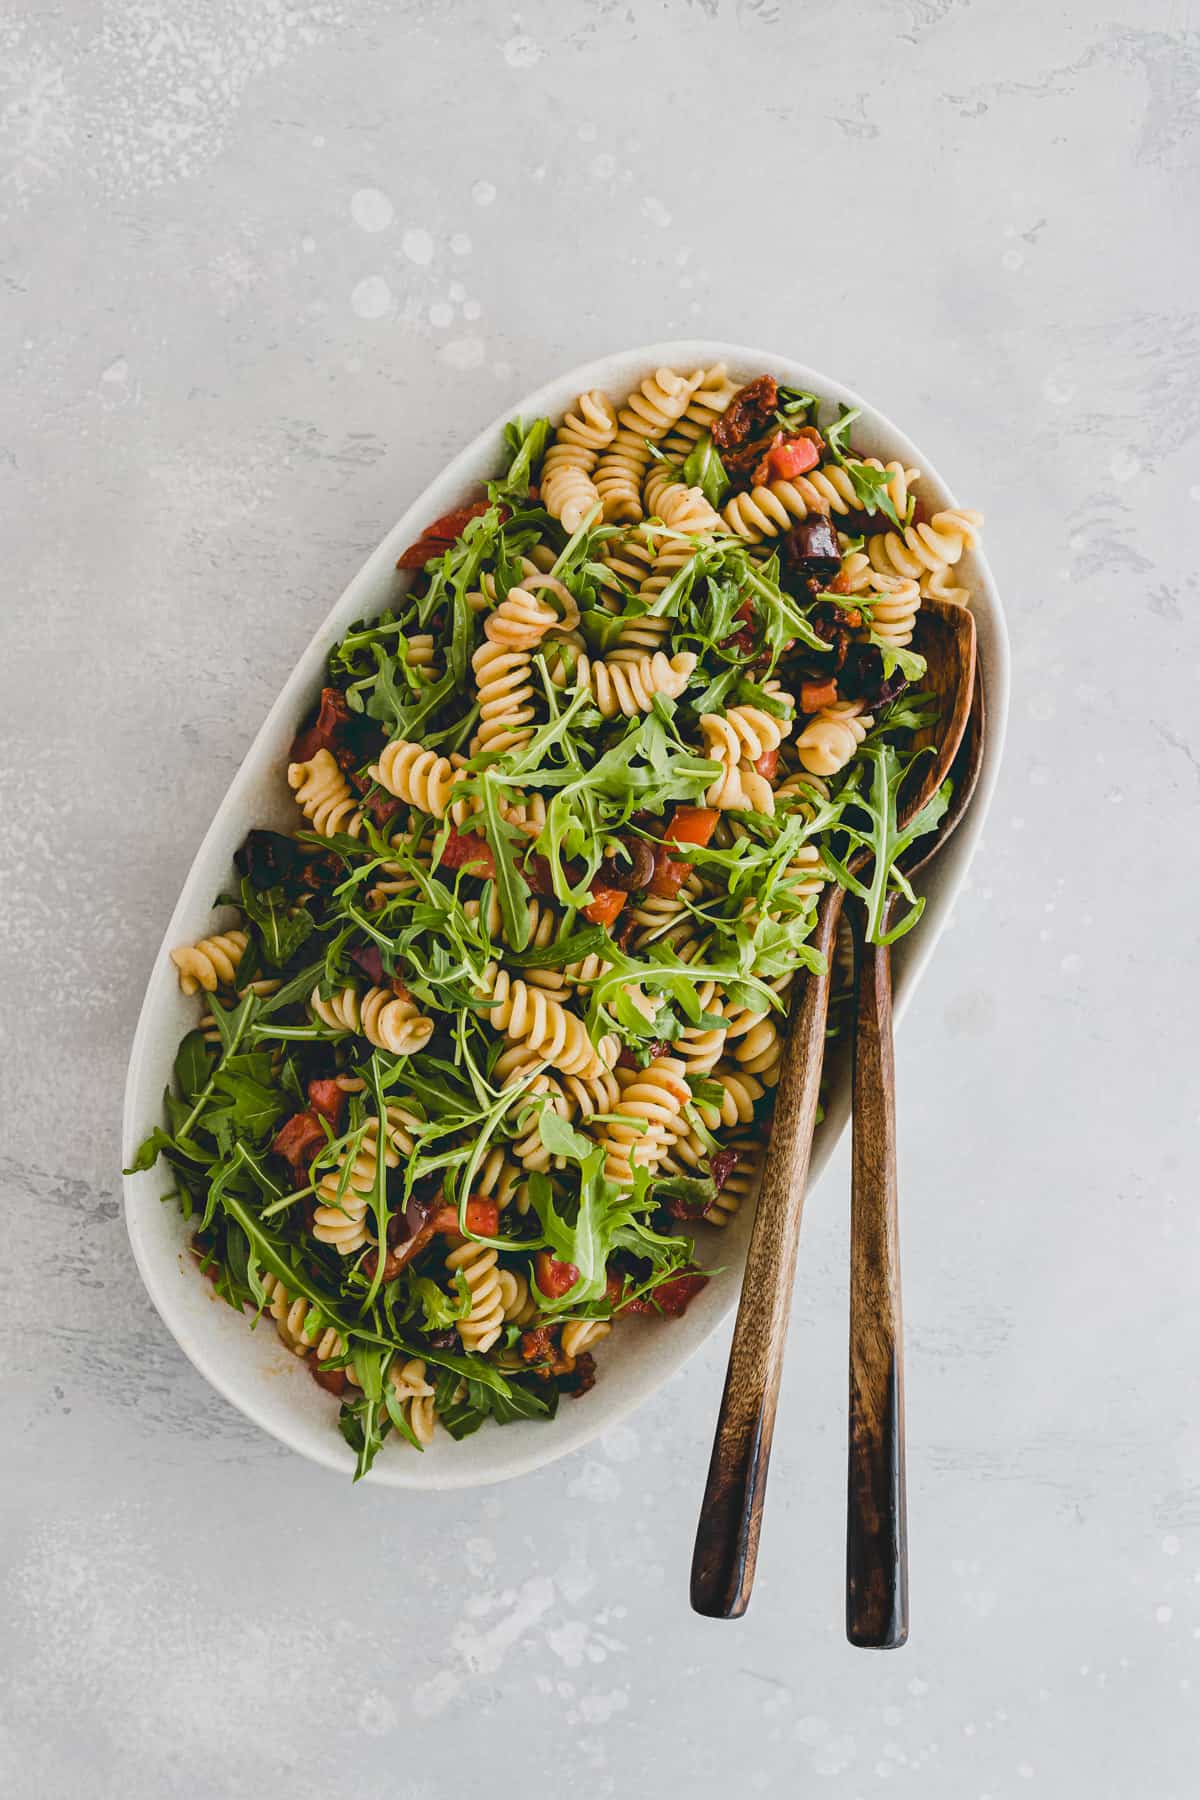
column 384, row 1018
column 567, row 487
column 522, row 972
column 323, row 795
column 832, row 736
column 211, row 963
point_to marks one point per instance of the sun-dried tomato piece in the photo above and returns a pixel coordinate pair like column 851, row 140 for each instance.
column 675, row 1296
column 536, row 1346
column 437, row 538
column 721, row 1165
column 747, row 413
column 369, row 961
column 298, row 1140
column 581, row 1378
column 467, row 847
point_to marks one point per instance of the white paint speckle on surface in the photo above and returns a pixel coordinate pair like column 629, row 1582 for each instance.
column 372, row 297
column 371, row 209
column 417, row 245
column 463, row 353
column 520, row 52
column 225, row 376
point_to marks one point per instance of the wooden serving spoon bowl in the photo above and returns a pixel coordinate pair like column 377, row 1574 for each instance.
column 726, row 1547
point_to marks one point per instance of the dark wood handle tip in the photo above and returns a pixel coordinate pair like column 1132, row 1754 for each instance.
column 876, row 1525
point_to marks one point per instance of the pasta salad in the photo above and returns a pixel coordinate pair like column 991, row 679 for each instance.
column 487, row 1045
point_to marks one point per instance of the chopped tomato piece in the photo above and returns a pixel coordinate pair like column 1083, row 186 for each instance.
column 483, row 1218
column 793, row 457
column 554, row 1278
column 693, row 824
column 816, row 694
column 767, row 764
column 328, row 1099
column 465, row 848
column 604, row 905
column 440, row 535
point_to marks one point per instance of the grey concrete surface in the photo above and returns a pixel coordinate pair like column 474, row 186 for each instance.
column 265, row 264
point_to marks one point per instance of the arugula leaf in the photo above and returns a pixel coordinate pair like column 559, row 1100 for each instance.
column 193, row 1064
column 704, row 469
column 512, row 889
column 561, row 1139
column 527, row 447
column 910, row 665
column 282, row 927
column 837, row 435
column 439, row 1309
column 871, row 488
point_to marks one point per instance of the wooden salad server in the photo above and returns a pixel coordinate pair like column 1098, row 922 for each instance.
column 876, row 1530
column 726, row 1548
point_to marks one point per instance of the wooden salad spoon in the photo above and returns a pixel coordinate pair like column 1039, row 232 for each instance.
column 726, row 1549
column 876, row 1526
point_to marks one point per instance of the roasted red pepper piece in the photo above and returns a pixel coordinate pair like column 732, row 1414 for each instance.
column 482, row 1217
column 327, row 1099
column 298, row 1141
column 553, row 1277
column 816, row 694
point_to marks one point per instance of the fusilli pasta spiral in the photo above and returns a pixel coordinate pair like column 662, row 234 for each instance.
column 651, row 1099
column 210, row 963
column 382, row 1017
column 419, row 777
column 323, row 795
column 832, row 736
column 485, row 1321
column 528, row 1015
column 568, row 490
column 648, row 414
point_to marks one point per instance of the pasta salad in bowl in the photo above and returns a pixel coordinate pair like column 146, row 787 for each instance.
column 487, row 1024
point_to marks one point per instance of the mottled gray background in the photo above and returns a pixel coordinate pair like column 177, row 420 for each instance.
column 266, row 263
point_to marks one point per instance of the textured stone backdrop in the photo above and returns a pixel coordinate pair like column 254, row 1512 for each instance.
column 266, row 263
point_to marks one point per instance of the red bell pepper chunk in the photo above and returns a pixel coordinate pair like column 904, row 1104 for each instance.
column 795, row 456
column 463, row 848
column 693, row 825
column 553, row 1277
column 604, row 905
column 816, row 694
column 482, row 1217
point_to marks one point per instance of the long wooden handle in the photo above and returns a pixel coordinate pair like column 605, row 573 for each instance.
column 727, row 1536
column 876, row 1524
